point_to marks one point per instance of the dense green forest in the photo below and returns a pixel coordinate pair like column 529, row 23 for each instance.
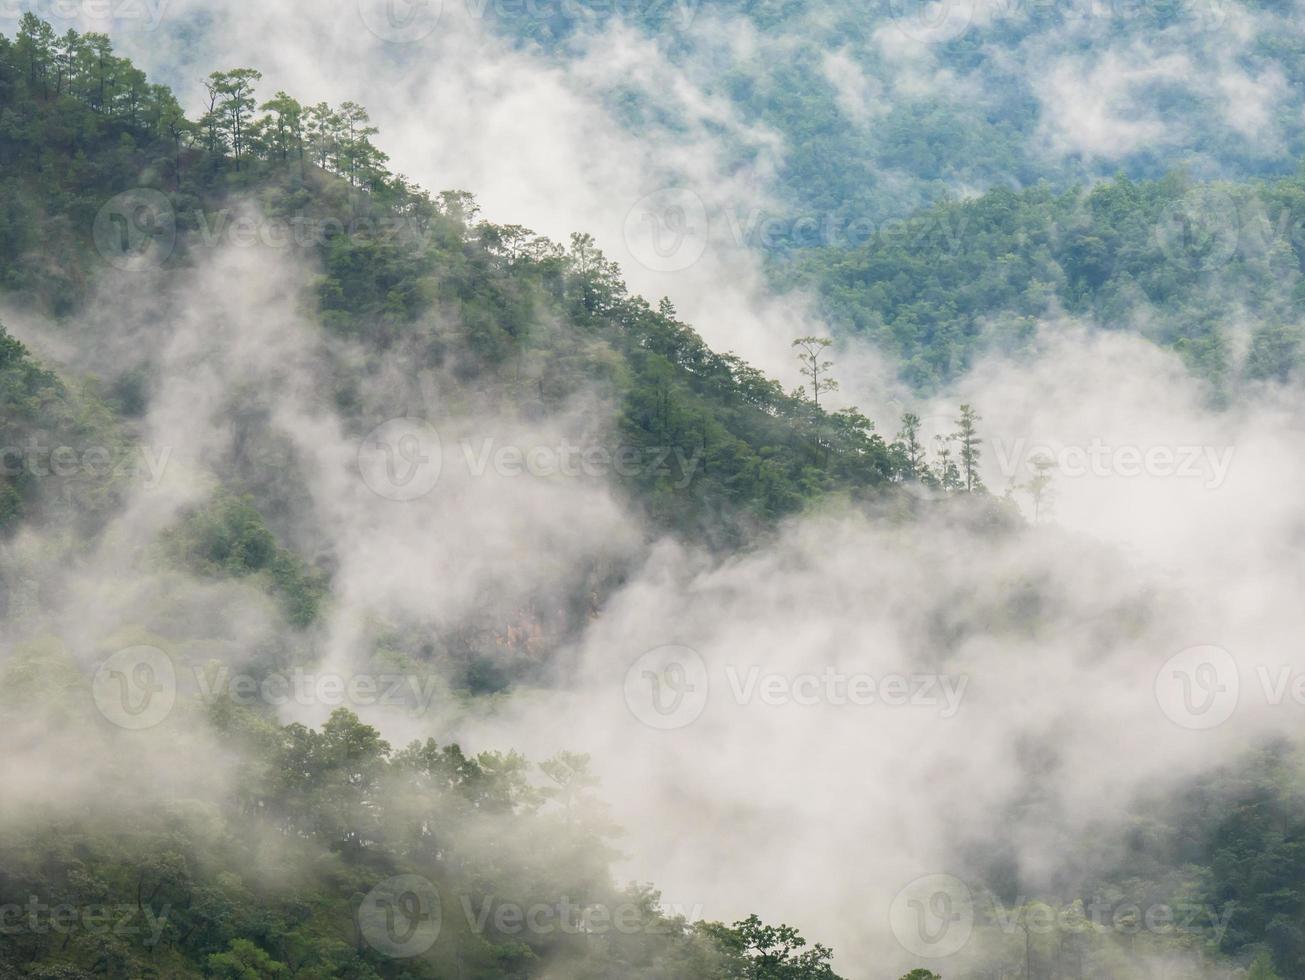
column 1207, row 270
column 763, row 451
column 283, row 863
column 269, row 881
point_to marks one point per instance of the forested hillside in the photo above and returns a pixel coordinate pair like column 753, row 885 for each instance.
column 392, row 256
column 1212, row 271
column 267, row 879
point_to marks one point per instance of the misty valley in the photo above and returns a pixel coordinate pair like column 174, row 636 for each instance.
column 652, row 491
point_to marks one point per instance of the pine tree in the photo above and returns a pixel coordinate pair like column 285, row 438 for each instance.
column 810, row 352
column 968, row 437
